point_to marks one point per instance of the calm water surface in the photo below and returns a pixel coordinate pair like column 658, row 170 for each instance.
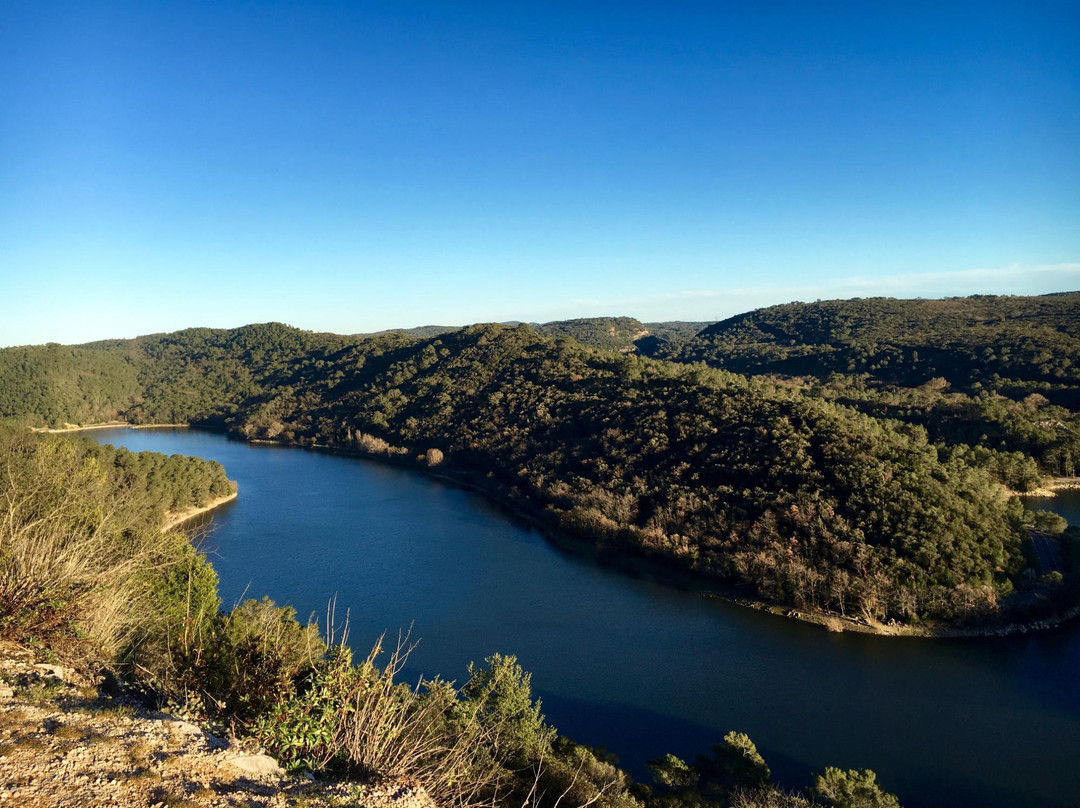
column 632, row 665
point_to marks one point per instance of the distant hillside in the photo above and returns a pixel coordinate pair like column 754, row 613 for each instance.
column 1015, row 345
column 665, row 339
column 622, row 334
column 420, row 331
column 51, row 384
column 607, row 333
column 677, row 330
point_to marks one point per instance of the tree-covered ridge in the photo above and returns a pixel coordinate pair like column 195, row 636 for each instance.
column 54, row 384
column 664, row 339
column 607, row 333
column 1018, row 440
column 1014, row 345
column 199, row 374
column 166, row 482
column 806, row 502
column 1001, row 374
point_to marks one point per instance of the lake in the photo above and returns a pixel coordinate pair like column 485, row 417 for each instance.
column 630, row 664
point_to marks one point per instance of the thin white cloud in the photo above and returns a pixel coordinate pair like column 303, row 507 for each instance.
column 709, row 304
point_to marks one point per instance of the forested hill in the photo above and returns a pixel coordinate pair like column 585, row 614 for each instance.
column 624, row 334
column 606, row 333
column 1014, row 345
column 997, row 377
column 199, row 374
column 802, row 501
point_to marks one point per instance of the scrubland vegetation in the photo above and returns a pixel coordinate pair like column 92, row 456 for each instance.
column 998, row 373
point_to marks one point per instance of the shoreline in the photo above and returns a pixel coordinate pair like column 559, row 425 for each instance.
column 661, row 572
column 174, row 519
column 103, row 425
column 1050, row 488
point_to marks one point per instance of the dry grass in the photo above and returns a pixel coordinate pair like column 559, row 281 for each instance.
column 69, row 551
column 831, row 623
column 40, row 693
column 29, row 743
column 16, row 716
column 139, row 754
column 69, row 732
column 117, row 711
column 390, row 730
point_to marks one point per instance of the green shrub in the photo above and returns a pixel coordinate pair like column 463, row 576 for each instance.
column 237, row 666
column 263, row 653
column 855, row 788
column 502, row 694
column 1049, row 522
column 301, row 731
column 178, row 609
column 734, row 765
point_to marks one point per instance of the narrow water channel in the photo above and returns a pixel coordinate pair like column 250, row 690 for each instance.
column 632, row 665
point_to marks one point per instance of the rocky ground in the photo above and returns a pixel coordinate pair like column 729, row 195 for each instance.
column 64, row 742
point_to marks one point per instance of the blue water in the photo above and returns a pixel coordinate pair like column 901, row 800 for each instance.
column 629, row 664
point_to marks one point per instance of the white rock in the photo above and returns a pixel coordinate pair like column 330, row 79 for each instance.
column 256, row 765
column 54, row 671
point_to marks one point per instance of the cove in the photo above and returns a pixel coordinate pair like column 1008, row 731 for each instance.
column 627, row 663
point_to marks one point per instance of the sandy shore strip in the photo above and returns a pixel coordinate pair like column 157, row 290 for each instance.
column 106, row 425
column 174, row 519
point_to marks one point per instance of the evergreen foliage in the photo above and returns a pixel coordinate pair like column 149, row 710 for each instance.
column 1028, row 344
column 1000, row 373
column 805, row 501
column 618, row 334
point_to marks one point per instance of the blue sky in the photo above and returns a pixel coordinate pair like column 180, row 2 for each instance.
column 357, row 166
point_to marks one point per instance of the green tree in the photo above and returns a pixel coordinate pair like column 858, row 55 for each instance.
column 504, row 692
column 855, row 788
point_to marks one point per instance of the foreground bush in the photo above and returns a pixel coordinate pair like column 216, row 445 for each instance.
column 357, row 719
column 485, row 745
column 234, row 666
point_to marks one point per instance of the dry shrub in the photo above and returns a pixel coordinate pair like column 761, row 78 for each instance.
column 371, row 443
column 84, row 566
column 358, row 719
column 425, row 733
column 768, row 797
